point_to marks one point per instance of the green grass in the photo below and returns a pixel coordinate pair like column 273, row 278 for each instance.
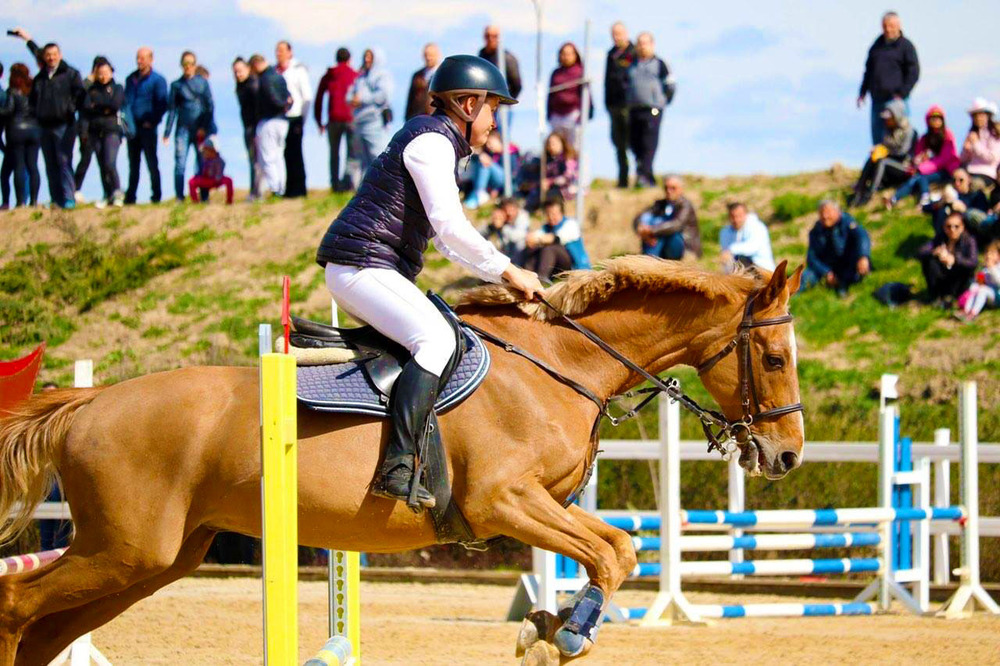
column 45, row 286
column 793, row 205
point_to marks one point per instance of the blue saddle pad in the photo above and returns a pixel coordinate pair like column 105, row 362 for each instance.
column 346, row 388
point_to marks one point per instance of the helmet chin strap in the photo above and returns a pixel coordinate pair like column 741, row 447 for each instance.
column 452, row 103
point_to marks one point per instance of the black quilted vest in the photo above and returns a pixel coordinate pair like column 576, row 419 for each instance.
column 384, row 225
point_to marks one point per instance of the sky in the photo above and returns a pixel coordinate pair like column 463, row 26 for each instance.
column 763, row 87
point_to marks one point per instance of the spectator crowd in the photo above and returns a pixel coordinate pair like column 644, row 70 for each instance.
column 953, row 178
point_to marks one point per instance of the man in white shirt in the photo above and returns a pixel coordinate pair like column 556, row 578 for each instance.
column 297, row 79
column 745, row 240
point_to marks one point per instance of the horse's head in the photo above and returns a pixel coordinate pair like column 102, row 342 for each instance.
column 754, row 380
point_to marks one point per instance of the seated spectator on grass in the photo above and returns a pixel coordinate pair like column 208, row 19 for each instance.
column 669, row 228
column 508, row 228
column 959, row 198
column 935, row 159
column 745, row 240
column 949, row 261
column 560, row 173
column 889, row 161
column 486, row 171
column 985, row 289
column 558, row 246
column 981, row 150
column 212, row 173
column 839, row 250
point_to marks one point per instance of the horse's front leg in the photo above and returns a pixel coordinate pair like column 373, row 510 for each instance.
column 529, row 513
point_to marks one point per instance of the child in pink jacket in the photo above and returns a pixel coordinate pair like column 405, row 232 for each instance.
column 936, row 157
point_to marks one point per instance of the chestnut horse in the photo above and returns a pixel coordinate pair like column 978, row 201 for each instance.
column 155, row 466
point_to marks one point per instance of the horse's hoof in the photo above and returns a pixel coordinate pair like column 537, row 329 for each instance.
column 542, row 654
column 571, row 645
column 537, row 626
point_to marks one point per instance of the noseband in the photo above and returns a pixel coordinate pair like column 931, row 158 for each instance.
column 740, row 430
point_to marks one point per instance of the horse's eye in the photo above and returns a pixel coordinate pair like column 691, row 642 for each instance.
column 774, row 362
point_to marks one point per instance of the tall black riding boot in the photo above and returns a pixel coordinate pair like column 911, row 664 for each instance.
column 413, row 399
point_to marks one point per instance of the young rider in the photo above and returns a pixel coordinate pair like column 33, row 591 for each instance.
column 374, row 250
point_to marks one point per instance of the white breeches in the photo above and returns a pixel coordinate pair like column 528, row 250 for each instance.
column 270, row 139
column 397, row 309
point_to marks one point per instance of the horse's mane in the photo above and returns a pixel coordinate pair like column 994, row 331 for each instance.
column 582, row 288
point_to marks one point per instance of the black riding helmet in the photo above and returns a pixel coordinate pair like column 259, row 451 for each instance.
column 459, row 76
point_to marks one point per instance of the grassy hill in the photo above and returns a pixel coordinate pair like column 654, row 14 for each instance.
column 149, row 288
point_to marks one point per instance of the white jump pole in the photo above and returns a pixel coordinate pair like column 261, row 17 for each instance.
column 885, row 585
column 670, row 605
column 970, row 592
column 942, row 497
column 504, row 110
column 585, row 102
column 737, row 502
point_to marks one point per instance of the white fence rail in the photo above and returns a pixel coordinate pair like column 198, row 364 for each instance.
column 862, row 452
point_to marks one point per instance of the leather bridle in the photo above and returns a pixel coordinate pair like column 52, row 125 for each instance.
column 717, row 428
column 740, row 430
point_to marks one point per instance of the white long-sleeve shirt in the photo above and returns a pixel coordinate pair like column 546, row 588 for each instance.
column 297, row 79
column 430, row 159
column 752, row 241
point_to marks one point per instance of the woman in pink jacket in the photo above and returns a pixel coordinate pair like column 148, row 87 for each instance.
column 565, row 105
column 981, row 150
column 936, row 157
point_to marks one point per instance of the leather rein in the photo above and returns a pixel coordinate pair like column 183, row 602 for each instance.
column 717, row 428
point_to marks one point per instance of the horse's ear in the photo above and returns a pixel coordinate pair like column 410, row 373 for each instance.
column 775, row 287
column 795, row 281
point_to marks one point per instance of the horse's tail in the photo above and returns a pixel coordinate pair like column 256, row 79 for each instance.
column 31, row 438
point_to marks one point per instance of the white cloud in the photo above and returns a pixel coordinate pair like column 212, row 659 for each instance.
column 323, row 21
column 27, row 10
column 971, row 66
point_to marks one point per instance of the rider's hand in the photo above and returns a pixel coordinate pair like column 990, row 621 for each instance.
column 22, row 33
column 525, row 281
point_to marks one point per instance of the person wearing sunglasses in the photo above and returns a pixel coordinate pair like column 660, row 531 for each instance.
column 959, row 197
column 949, row 262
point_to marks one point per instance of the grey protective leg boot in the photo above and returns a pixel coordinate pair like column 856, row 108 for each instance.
column 413, row 398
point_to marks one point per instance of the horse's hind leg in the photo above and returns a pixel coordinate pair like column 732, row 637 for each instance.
column 102, row 560
column 531, row 515
column 43, row 640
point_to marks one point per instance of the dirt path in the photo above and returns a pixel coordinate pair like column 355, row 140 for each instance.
column 208, row 621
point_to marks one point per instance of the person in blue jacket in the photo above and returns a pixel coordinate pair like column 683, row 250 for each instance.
column 190, row 105
column 145, row 102
column 839, row 250
column 557, row 246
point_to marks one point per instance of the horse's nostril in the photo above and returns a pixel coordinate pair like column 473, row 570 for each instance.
column 789, row 460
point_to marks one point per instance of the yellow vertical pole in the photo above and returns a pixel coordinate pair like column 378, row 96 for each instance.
column 347, row 599
column 279, row 490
